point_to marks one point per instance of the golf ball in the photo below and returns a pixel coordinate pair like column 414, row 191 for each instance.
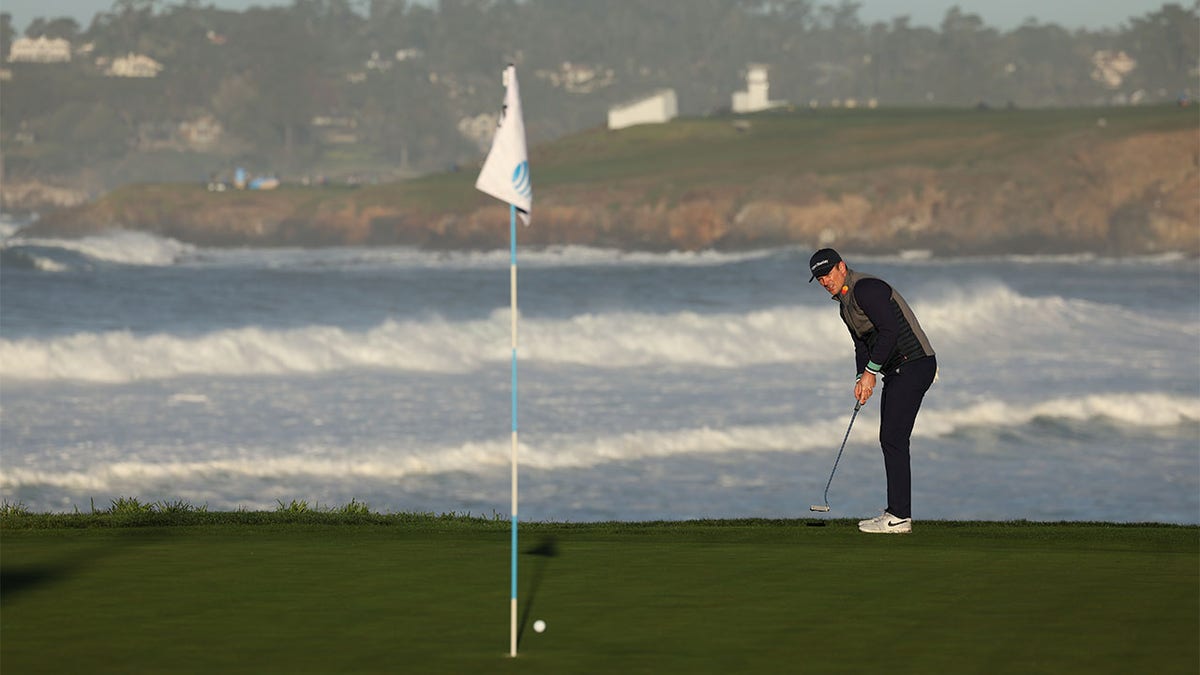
column 539, row 625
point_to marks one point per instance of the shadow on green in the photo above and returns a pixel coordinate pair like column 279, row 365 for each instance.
column 548, row 548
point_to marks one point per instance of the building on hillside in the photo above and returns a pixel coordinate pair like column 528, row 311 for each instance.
column 157, row 135
column 335, row 129
column 659, row 107
column 380, row 63
column 479, row 129
column 134, row 65
column 578, row 78
column 39, row 50
column 1110, row 68
column 201, row 133
column 756, row 97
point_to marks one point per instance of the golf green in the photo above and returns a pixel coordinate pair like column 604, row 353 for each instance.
column 689, row 597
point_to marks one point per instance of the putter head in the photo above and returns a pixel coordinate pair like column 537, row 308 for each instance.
column 823, row 508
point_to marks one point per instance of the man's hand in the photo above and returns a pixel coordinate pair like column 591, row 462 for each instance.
column 864, row 386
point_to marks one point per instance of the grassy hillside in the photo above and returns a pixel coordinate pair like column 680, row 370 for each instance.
column 1115, row 180
column 311, row 593
column 692, row 153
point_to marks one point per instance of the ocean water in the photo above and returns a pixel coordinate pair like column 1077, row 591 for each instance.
column 651, row 386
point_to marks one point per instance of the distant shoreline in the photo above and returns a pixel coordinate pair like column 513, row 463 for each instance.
column 950, row 182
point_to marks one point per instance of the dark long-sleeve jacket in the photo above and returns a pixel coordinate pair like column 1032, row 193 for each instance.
column 885, row 330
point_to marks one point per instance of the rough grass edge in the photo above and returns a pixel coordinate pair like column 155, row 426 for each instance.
column 132, row 512
column 129, row 512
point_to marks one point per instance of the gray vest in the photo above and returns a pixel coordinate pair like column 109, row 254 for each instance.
column 911, row 343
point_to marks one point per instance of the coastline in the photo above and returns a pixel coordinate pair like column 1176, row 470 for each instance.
column 952, row 183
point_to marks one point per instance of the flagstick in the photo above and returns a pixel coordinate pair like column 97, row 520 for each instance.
column 512, row 236
column 505, row 176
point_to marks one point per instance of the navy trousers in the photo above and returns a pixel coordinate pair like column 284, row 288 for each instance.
column 903, row 390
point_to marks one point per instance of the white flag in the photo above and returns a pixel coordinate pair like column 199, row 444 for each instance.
column 505, row 172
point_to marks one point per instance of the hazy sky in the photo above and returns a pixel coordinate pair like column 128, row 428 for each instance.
column 1002, row 14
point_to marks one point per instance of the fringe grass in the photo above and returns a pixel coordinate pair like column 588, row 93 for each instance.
column 133, row 512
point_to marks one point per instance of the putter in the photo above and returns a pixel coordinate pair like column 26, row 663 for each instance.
column 824, row 508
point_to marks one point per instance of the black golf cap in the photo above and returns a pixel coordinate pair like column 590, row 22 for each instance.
column 822, row 262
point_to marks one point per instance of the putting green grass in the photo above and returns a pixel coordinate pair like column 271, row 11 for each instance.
column 692, row 597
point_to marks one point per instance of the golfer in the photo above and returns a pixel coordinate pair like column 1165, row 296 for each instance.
column 888, row 343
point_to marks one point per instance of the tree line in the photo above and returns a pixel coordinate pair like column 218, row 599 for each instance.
column 400, row 78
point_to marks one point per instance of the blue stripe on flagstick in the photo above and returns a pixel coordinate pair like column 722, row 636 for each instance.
column 514, row 389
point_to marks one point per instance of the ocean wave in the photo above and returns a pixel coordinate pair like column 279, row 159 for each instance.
column 991, row 311
column 10, row 225
column 121, row 247
column 1136, row 412
column 407, row 257
column 121, row 356
column 146, row 249
column 982, row 320
column 378, row 464
column 435, row 345
column 571, row 256
column 922, row 256
column 27, row 259
column 143, row 248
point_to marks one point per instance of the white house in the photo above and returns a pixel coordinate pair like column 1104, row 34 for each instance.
column 756, row 96
column 656, row 108
column 578, row 78
column 200, row 133
column 40, row 50
column 479, row 129
column 134, row 65
column 336, row 129
column 380, row 63
column 1111, row 67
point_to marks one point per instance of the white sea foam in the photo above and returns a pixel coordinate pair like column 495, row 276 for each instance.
column 606, row 340
column 407, row 257
column 987, row 317
column 573, row 452
column 45, row 264
column 1041, row 259
column 720, row 395
column 10, row 226
column 118, row 246
column 147, row 249
column 567, row 256
column 121, row 356
column 142, row 248
column 1140, row 410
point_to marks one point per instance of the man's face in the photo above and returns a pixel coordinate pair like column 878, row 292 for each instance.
column 836, row 278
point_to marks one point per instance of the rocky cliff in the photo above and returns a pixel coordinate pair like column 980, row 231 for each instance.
column 1087, row 190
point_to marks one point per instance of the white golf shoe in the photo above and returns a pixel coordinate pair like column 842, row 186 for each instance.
column 886, row 523
column 871, row 520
